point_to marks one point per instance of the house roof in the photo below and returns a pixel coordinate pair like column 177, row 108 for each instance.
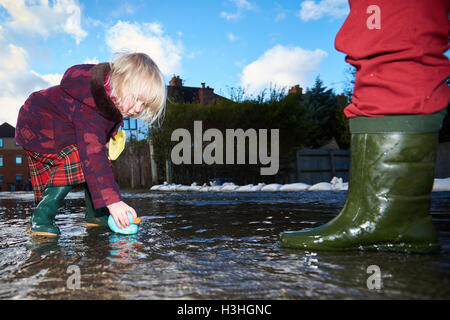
column 182, row 94
column 7, row 130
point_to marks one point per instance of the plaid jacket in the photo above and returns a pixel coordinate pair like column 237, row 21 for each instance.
column 77, row 111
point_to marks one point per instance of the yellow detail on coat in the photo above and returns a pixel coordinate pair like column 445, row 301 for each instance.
column 116, row 145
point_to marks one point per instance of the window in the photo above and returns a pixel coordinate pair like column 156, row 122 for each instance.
column 129, row 124
column 1, row 161
column 18, row 160
column 19, row 178
column 1, row 179
column 1, row 142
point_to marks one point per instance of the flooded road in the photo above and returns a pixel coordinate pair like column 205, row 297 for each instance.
column 208, row 246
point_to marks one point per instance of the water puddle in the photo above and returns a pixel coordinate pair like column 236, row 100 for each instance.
column 208, row 246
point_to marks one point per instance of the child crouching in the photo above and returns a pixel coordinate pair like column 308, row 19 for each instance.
column 65, row 130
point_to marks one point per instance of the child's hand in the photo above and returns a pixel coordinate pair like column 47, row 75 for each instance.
column 119, row 211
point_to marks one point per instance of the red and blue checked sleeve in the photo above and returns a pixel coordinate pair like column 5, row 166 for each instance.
column 91, row 135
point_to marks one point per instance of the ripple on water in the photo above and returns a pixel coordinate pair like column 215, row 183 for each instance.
column 208, row 246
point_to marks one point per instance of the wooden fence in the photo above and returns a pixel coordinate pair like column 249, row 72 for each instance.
column 443, row 161
column 133, row 168
column 316, row 165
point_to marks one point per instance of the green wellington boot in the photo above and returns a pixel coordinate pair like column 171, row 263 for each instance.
column 95, row 217
column 43, row 218
column 391, row 179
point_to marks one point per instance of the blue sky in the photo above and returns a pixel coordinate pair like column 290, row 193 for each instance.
column 224, row 43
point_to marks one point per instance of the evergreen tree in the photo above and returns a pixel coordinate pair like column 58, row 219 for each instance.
column 321, row 104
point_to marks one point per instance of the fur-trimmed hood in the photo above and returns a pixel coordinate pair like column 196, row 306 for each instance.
column 74, row 83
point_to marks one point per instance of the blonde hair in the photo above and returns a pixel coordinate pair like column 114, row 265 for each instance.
column 136, row 74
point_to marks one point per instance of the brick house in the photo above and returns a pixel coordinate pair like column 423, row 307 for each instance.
column 14, row 173
column 177, row 92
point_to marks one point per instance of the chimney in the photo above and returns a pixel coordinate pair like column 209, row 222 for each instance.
column 176, row 81
column 206, row 94
column 296, row 90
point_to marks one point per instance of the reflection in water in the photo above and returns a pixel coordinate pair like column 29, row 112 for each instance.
column 208, row 246
column 124, row 248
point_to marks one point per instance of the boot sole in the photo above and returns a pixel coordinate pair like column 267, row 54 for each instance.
column 39, row 233
column 382, row 247
column 94, row 225
column 420, row 248
column 91, row 225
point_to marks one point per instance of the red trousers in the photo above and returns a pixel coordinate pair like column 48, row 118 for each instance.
column 397, row 47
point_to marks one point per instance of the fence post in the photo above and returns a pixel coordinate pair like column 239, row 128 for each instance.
column 143, row 167
column 332, row 166
column 153, row 164
column 132, row 173
column 168, row 171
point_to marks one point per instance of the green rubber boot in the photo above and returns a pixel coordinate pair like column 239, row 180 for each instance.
column 95, row 217
column 43, row 219
column 391, row 179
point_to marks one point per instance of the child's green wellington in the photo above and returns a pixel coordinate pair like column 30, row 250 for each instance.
column 95, row 217
column 42, row 221
column 391, row 179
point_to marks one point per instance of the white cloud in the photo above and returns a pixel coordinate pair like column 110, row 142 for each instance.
column 51, row 79
column 281, row 12
column 282, row 67
column 150, row 39
column 244, row 4
column 124, row 8
column 91, row 61
column 18, row 81
column 232, row 37
column 241, row 7
column 38, row 17
column 280, row 16
column 192, row 54
column 310, row 10
column 230, row 16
